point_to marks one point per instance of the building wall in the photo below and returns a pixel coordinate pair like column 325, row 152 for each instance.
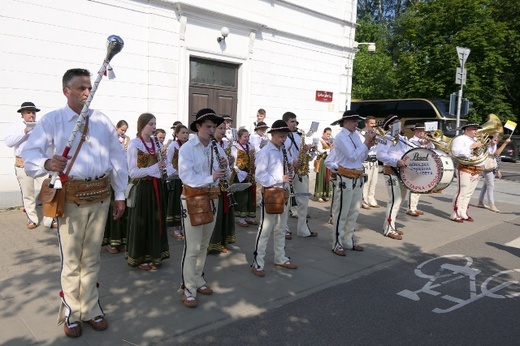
column 286, row 51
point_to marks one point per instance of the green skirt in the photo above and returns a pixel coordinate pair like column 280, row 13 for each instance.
column 115, row 230
column 322, row 186
column 246, row 200
column 173, row 215
column 147, row 239
column 224, row 232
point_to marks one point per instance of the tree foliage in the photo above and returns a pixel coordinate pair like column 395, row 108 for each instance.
column 416, row 52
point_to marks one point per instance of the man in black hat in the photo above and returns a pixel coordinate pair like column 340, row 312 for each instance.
column 200, row 170
column 468, row 175
column 16, row 137
column 271, row 173
column 350, row 152
column 419, row 141
column 390, row 151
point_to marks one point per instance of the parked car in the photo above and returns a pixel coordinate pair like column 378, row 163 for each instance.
column 516, row 139
column 510, row 152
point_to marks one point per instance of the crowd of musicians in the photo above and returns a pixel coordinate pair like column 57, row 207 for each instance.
column 205, row 182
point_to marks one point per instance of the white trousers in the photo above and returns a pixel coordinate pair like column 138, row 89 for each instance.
column 196, row 242
column 467, row 185
column 30, row 188
column 413, row 201
column 397, row 193
column 369, row 188
column 347, row 202
column 302, row 228
column 269, row 223
column 80, row 234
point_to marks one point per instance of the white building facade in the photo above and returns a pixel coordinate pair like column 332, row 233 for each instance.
column 280, row 55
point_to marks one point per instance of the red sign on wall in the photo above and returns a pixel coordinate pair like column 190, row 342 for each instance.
column 323, row 96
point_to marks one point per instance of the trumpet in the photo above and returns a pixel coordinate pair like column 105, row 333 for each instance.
column 380, row 135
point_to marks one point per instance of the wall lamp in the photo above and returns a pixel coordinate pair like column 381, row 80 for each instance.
column 371, row 46
column 224, row 32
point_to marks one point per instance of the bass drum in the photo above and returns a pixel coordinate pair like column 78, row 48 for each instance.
column 427, row 170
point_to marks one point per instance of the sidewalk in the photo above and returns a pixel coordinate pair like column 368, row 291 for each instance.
column 145, row 307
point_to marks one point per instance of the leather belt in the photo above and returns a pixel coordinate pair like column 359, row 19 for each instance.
column 189, row 191
column 86, row 192
column 18, row 162
column 473, row 170
column 350, row 173
column 388, row 170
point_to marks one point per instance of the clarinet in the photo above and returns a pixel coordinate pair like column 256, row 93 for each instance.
column 232, row 201
column 160, row 157
column 289, row 171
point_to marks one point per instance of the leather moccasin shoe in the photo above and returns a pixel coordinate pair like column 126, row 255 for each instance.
column 365, row 206
column 72, row 331
column 206, row 290
column 340, row 251
column 258, row 272
column 357, row 248
column 458, row 220
column 398, row 231
column 375, row 206
column 469, row 219
column 287, row 265
column 412, row 213
column 98, row 323
column 394, row 236
column 189, row 301
column 252, row 222
column 31, row 225
column 419, row 212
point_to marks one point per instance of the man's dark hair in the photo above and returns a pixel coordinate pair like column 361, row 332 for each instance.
column 73, row 72
column 288, row 115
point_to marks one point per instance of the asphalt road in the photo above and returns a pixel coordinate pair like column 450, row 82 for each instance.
column 463, row 293
column 510, row 170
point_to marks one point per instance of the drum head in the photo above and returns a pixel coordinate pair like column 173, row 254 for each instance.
column 423, row 170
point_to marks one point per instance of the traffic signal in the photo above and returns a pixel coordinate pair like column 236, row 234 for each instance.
column 453, row 104
column 466, row 107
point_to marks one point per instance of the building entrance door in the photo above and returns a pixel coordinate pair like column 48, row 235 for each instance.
column 213, row 84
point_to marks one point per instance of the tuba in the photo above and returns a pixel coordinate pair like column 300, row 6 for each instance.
column 484, row 135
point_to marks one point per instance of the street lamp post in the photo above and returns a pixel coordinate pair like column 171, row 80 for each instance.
column 460, row 78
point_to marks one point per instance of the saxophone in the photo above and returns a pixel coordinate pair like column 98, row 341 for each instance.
column 303, row 158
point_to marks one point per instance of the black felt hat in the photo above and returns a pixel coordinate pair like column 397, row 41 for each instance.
column 348, row 115
column 279, row 126
column 419, row 126
column 203, row 115
column 28, row 105
column 261, row 125
column 463, row 127
column 389, row 120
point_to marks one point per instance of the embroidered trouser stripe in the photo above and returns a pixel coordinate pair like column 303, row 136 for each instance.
column 348, row 202
column 80, row 235
column 196, row 241
column 397, row 193
column 467, row 185
column 268, row 224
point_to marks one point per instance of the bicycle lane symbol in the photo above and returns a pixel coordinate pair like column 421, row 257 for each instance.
column 448, row 273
